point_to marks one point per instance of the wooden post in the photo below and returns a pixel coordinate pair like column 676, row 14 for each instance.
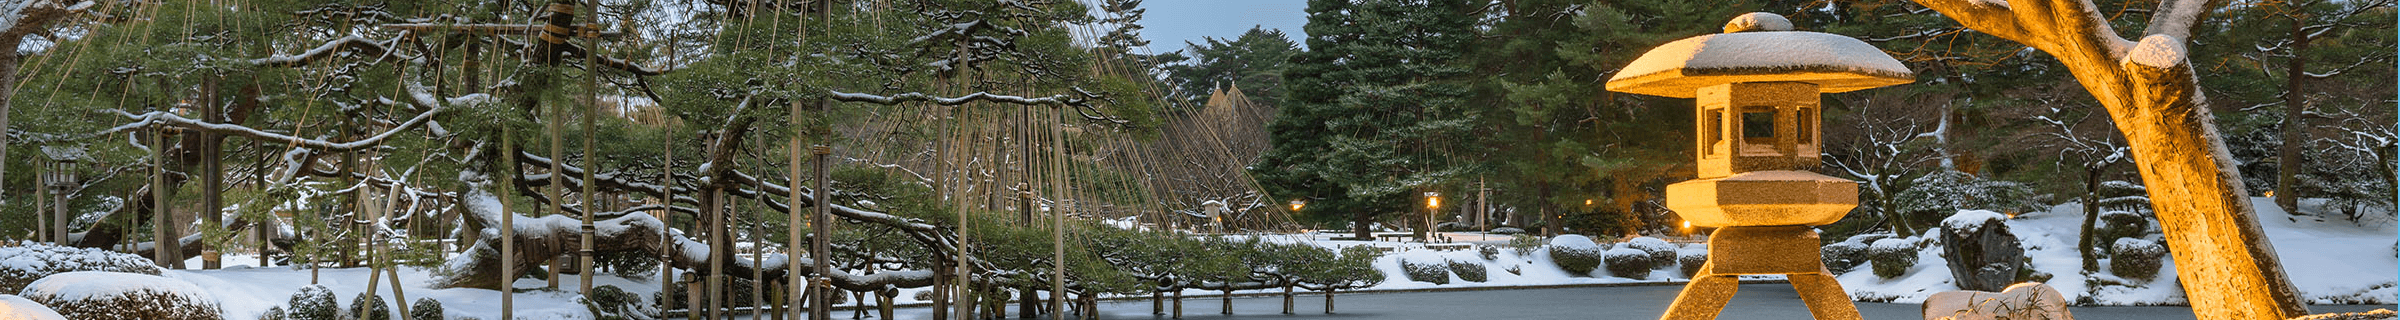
column 212, row 172
column 503, row 185
column 824, row 225
column 163, row 223
column 41, row 211
column 591, row 160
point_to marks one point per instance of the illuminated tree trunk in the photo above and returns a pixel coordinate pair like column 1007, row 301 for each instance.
column 2225, row 264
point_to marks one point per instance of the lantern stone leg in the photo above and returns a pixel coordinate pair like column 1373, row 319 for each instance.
column 1790, row 251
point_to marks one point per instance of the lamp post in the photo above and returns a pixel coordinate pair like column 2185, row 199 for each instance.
column 1757, row 114
column 61, row 177
column 1433, row 202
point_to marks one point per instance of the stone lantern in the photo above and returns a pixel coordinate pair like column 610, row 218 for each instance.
column 61, row 179
column 1757, row 88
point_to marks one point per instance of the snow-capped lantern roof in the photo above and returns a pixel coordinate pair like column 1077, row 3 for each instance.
column 1760, row 47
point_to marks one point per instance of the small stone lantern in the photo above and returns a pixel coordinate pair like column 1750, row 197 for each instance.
column 1757, row 87
column 61, row 179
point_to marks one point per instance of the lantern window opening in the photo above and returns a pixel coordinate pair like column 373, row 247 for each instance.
column 1758, row 122
column 1715, row 132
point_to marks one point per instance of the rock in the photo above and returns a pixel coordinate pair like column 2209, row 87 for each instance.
column 2031, row 300
column 1981, row 253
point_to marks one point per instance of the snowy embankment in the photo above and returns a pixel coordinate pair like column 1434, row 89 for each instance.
column 2331, row 261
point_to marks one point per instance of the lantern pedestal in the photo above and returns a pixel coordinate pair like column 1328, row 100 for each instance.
column 1791, row 251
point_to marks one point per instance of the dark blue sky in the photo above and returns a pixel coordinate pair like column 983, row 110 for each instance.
column 1169, row 23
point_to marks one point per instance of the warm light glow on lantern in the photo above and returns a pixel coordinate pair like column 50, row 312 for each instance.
column 1433, row 201
column 1296, row 204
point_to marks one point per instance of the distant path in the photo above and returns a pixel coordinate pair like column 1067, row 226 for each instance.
column 1756, row 301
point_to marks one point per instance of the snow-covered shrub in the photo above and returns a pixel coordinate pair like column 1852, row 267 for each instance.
column 428, row 309
column 1425, row 267
column 1471, row 271
column 18, row 308
column 1659, row 250
column 1629, row 263
column 1524, row 244
column 1865, row 239
column 273, row 313
column 1506, row 230
column 611, row 303
column 1892, row 257
column 1488, row 253
column 2136, row 259
column 1950, row 191
column 1576, row 254
column 313, row 302
column 1840, row 257
column 117, row 295
column 1690, row 261
column 376, row 309
column 2120, row 224
column 21, row 265
column 628, row 264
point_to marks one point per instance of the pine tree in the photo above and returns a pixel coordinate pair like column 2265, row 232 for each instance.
column 1375, row 109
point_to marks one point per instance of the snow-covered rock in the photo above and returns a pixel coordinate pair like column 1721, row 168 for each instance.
column 13, row 307
column 1966, row 221
column 1981, row 252
column 118, row 295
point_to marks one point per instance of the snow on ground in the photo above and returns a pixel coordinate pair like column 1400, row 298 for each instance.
column 2331, row 261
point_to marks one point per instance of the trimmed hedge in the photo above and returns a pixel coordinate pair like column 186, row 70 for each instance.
column 1892, row 257
column 2137, row 259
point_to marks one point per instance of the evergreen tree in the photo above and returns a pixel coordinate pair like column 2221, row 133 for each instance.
column 1566, row 150
column 1254, row 61
column 1376, row 110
